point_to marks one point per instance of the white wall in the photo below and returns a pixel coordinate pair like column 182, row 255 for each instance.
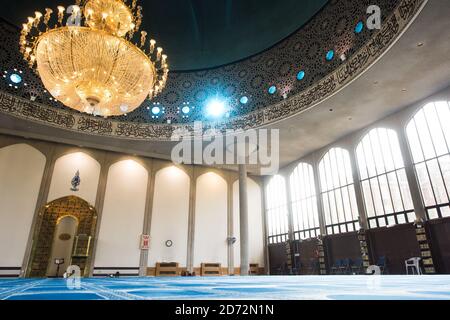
column 210, row 220
column 123, row 216
column 21, row 170
column 65, row 169
column 256, row 239
column 169, row 217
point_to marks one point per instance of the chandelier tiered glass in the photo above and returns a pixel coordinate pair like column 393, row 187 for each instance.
column 88, row 62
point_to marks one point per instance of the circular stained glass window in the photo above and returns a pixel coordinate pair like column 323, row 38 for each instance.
column 272, row 90
column 301, row 75
column 359, row 27
column 330, row 55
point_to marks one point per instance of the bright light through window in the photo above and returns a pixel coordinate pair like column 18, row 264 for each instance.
column 277, row 210
column 383, row 178
column 304, row 202
column 429, row 140
column 338, row 192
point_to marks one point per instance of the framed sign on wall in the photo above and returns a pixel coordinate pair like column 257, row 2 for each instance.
column 145, row 242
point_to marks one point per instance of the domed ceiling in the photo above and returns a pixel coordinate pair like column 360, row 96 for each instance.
column 199, row 34
column 328, row 52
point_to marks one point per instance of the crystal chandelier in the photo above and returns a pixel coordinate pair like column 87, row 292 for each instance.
column 89, row 61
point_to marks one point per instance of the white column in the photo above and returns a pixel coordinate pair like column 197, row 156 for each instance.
column 358, row 191
column 323, row 229
column 143, row 261
column 289, row 208
column 243, row 219
column 191, row 221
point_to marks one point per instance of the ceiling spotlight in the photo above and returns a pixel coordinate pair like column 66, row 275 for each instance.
column 215, row 108
column 156, row 110
column 185, row 109
column 15, row 78
column 243, row 100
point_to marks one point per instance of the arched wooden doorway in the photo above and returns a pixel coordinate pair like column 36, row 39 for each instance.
column 55, row 234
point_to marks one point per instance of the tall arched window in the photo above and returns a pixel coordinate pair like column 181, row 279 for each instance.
column 277, row 210
column 429, row 140
column 383, row 178
column 304, row 202
column 338, row 192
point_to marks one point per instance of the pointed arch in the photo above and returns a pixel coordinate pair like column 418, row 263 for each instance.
column 21, row 170
column 65, row 169
column 211, row 220
column 122, row 216
column 169, row 217
column 51, row 213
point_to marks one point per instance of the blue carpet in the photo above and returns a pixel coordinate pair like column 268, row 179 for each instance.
column 233, row 288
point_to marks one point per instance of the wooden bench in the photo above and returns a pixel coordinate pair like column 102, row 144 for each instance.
column 167, row 269
column 211, row 269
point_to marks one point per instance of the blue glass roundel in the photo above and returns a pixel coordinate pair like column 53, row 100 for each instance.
column 359, row 27
column 330, row 55
column 244, row 100
column 272, row 90
column 156, row 110
column 301, row 75
column 15, row 78
column 185, row 109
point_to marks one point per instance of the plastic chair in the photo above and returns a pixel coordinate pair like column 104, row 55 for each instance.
column 382, row 264
column 314, row 266
column 345, row 266
column 413, row 263
column 357, row 266
column 336, row 267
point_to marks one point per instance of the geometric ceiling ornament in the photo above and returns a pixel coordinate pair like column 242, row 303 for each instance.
column 321, row 79
column 90, row 64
